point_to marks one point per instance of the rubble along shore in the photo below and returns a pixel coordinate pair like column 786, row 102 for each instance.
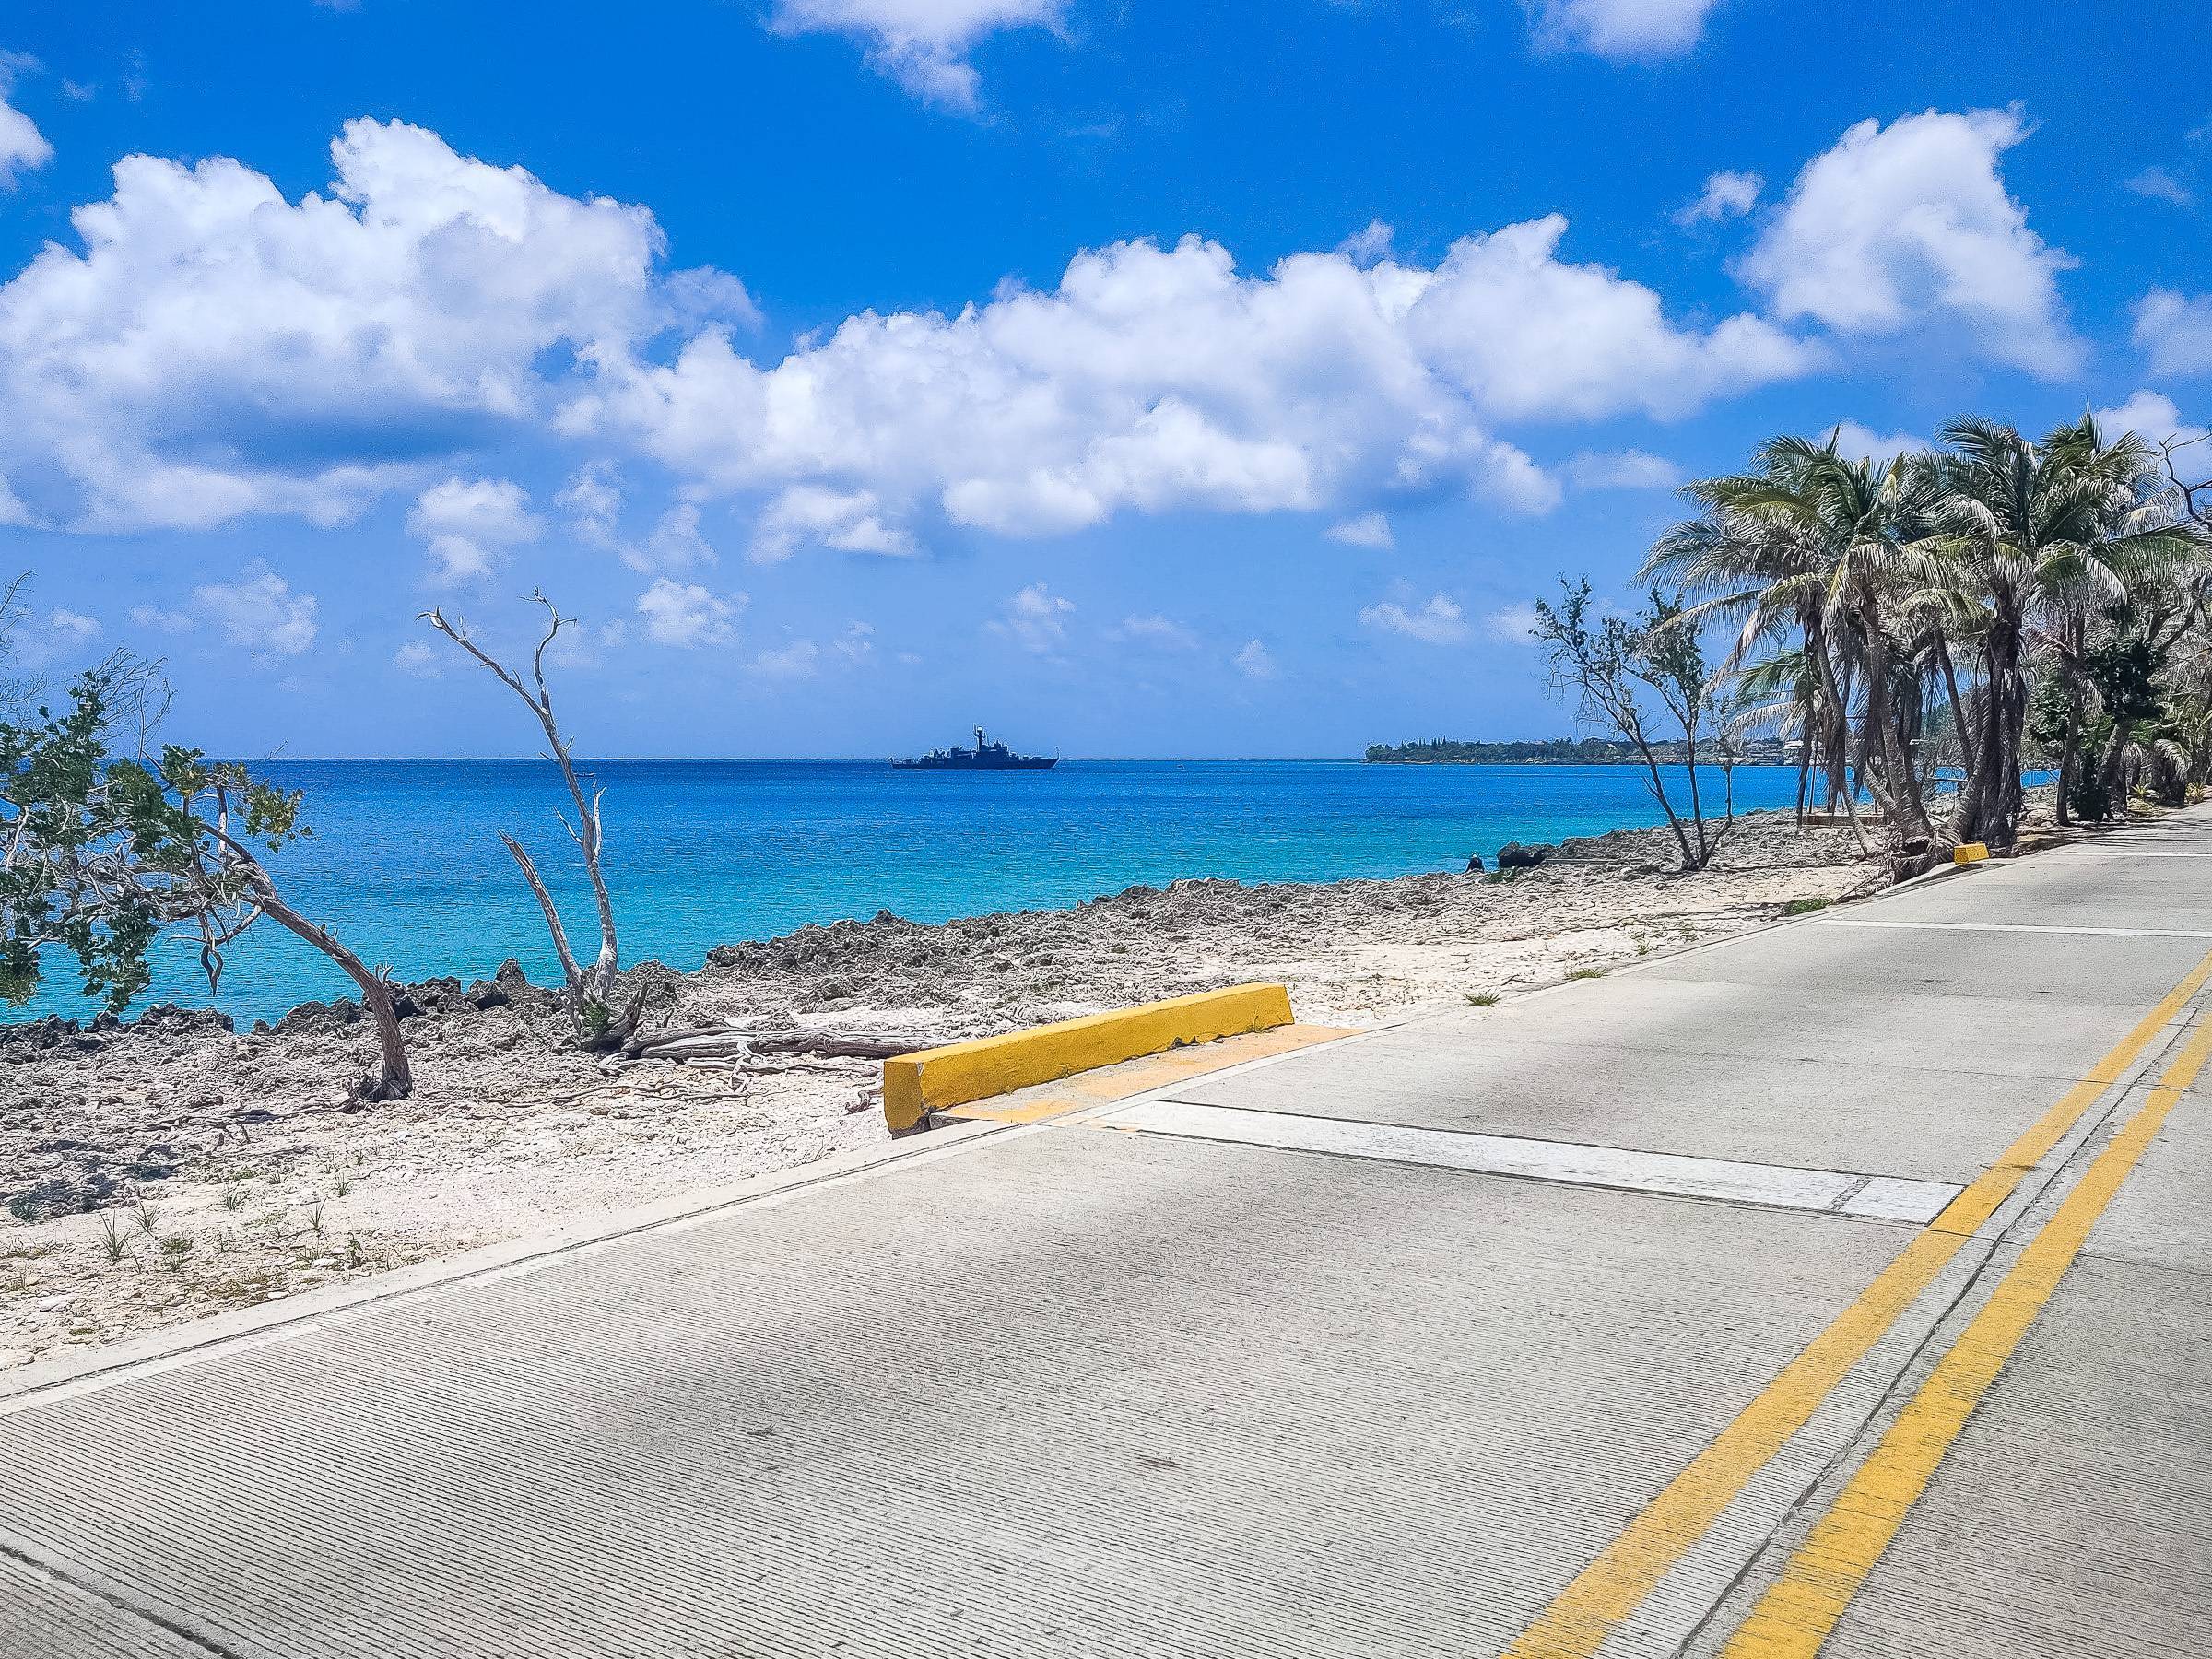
column 156, row 1170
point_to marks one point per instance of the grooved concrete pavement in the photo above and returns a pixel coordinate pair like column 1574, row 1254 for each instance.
column 1067, row 1389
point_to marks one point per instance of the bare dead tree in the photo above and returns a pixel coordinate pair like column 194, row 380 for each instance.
column 396, row 1078
column 2195, row 499
column 591, row 990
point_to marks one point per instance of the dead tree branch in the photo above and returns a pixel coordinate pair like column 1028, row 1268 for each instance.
column 592, row 989
column 2200, row 510
column 731, row 1043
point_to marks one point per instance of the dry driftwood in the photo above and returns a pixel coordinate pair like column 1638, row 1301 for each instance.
column 726, row 1042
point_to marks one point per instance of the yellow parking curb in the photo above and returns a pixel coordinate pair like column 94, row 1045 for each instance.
column 915, row 1084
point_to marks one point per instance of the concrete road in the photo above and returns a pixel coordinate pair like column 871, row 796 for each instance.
column 1838, row 1285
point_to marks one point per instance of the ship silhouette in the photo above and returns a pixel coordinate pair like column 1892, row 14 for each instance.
column 985, row 756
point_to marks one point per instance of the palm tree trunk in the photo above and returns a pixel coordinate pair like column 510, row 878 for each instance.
column 2112, row 771
column 2069, row 755
column 2004, row 800
column 1989, row 811
column 1878, row 739
column 1836, row 748
column 1909, row 833
column 1950, row 686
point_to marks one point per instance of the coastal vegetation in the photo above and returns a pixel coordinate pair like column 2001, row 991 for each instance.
column 103, row 852
column 1891, row 616
column 1628, row 674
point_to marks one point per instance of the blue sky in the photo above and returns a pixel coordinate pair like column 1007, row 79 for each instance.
column 1134, row 378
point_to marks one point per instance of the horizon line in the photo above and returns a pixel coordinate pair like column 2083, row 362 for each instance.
column 886, row 760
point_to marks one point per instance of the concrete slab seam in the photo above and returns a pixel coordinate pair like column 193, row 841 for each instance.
column 1523, row 1157
column 110, row 1594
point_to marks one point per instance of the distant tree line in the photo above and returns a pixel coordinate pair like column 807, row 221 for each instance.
column 1561, row 751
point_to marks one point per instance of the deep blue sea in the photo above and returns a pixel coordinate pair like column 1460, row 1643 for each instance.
column 405, row 863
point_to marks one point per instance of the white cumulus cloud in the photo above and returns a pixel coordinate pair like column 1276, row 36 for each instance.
column 1619, row 28
column 259, row 612
column 592, row 500
column 23, row 147
column 1726, row 196
column 2161, row 186
column 1910, row 223
column 858, row 645
column 922, row 44
column 1035, row 618
column 418, row 659
column 1369, row 245
column 849, row 520
column 1253, row 661
column 215, row 349
column 1363, row 530
column 677, row 543
column 1164, row 632
column 1154, row 379
column 1857, row 442
column 686, row 615
column 73, row 625
column 798, row 660
column 470, row 524
column 2174, row 331
column 1621, row 469
column 2151, row 416
column 1512, row 624
column 1439, row 622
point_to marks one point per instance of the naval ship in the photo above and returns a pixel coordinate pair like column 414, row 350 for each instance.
column 985, row 756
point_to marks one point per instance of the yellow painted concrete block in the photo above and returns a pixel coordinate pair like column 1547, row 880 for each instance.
column 1966, row 852
column 913, row 1085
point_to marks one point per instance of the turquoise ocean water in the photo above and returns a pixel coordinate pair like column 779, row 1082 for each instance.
column 406, row 866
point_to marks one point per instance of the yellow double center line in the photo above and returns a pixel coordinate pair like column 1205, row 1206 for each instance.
column 1616, row 1584
column 1795, row 1615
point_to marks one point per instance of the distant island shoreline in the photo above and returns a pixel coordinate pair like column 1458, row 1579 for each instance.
column 1558, row 751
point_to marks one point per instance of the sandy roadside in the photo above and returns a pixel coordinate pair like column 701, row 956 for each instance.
column 224, row 1170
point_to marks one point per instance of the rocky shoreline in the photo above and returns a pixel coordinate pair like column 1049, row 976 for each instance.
column 156, row 1170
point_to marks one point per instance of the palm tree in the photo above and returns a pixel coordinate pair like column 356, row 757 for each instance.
column 2025, row 535
column 1853, row 530
column 1754, row 565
